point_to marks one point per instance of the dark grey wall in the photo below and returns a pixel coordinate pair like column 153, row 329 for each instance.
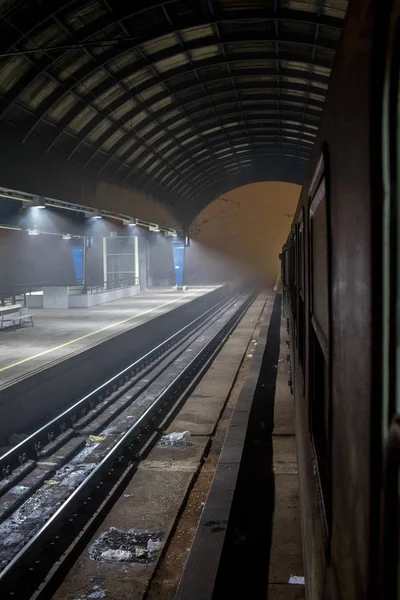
column 48, row 257
column 26, row 259
column 161, row 259
column 94, row 262
column 34, row 259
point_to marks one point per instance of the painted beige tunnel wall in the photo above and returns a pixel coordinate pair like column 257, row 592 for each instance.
column 248, row 231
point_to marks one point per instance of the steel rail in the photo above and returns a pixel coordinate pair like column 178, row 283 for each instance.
column 31, row 559
column 31, row 448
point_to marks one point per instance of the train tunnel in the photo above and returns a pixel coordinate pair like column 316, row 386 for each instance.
column 199, row 299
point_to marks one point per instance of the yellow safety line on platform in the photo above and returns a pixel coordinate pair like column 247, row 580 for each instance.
column 82, row 337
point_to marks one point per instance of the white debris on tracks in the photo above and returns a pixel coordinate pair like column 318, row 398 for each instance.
column 177, row 439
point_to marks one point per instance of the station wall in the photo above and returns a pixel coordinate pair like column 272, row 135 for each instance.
column 48, row 257
column 242, row 233
column 161, row 260
column 42, row 258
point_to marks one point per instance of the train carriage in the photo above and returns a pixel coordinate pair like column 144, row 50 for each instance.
column 340, row 273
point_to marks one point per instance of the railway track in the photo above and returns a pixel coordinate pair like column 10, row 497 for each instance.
column 63, row 476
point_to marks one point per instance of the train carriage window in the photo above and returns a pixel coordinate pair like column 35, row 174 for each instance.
column 301, row 256
column 300, row 290
column 319, row 266
column 293, row 276
column 286, row 266
column 320, row 397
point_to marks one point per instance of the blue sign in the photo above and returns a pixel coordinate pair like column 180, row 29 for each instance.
column 178, row 249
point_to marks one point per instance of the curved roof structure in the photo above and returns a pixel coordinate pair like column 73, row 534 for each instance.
column 183, row 99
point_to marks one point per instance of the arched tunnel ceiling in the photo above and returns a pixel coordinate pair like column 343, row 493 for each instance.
column 182, row 99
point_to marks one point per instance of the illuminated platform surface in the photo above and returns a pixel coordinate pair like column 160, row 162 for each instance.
column 58, row 334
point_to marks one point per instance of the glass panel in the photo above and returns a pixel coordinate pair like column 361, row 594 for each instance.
column 320, row 260
column 121, row 260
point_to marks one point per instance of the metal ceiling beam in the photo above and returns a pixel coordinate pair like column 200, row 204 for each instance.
column 267, row 165
column 302, row 149
column 273, row 142
column 272, row 148
column 244, row 87
column 226, row 119
column 143, row 142
column 36, row 19
column 64, row 123
column 219, row 141
column 143, row 105
column 88, row 70
column 273, row 167
column 270, row 163
column 186, row 87
column 268, row 149
column 123, row 166
column 243, row 134
column 34, row 16
column 124, row 158
column 149, row 25
column 258, row 102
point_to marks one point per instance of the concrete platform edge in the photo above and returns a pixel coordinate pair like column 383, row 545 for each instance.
column 38, row 395
column 201, row 568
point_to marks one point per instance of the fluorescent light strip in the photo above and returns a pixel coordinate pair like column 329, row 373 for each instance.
column 51, row 202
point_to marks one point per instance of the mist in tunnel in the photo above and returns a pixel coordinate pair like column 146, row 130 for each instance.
column 241, row 234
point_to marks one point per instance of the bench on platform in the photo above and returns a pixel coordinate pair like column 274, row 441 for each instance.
column 14, row 316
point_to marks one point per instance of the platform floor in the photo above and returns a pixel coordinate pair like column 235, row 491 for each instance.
column 248, row 540
column 155, row 498
column 58, row 333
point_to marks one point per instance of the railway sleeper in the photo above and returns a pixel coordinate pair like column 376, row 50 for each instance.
column 96, row 466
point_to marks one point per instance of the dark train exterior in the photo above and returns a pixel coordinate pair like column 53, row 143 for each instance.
column 340, row 276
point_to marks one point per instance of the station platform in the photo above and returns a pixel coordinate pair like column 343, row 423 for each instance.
column 57, row 333
column 219, row 492
column 248, row 539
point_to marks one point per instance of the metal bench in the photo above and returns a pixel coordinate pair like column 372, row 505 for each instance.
column 13, row 314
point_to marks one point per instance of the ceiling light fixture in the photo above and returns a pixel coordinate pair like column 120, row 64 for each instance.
column 39, row 203
column 130, row 222
column 93, row 214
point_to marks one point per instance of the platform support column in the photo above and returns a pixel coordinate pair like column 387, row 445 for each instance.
column 84, row 250
column 137, row 275
column 105, row 260
column 178, row 250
